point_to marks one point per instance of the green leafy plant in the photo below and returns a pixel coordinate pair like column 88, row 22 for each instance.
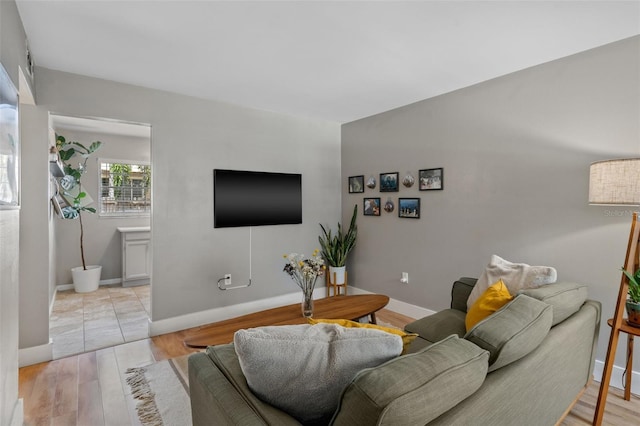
column 336, row 247
column 71, row 186
column 120, row 174
column 634, row 285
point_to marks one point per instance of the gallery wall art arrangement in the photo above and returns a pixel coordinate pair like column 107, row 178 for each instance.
column 407, row 207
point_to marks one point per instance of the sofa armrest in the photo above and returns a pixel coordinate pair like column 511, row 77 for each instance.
column 460, row 293
column 436, row 327
column 215, row 400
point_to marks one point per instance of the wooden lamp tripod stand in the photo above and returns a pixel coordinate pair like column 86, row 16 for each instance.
column 618, row 324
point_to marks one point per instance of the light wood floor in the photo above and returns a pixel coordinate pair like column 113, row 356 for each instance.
column 89, row 389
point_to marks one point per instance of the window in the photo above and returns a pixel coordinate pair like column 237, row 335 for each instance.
column 125, row 188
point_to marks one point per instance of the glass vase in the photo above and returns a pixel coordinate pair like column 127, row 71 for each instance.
column 307, row 304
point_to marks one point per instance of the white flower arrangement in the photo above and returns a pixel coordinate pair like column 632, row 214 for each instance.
column 304, row 271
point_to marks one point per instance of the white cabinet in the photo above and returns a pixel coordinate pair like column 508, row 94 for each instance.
column 136, row 255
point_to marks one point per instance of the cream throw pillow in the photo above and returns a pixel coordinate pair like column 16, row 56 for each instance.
column 516, row 276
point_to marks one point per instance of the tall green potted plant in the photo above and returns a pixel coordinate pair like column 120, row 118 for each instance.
column 336, row 247
column 633, row 302
column 85, row 278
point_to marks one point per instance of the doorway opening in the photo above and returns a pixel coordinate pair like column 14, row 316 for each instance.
column 117, row 177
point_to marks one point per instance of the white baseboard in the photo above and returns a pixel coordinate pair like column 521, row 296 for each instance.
column 62, row 287
column 616, row 377
column 35, row 354
column 399, row 306
column 111, row 281
column 17, row 418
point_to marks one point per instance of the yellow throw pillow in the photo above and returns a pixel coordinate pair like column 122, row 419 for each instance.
column 407, row 338
column 493, row 298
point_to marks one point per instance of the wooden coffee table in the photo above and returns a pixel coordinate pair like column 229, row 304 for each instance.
column 338, row 307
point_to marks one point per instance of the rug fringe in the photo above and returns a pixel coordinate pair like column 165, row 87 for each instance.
column 146, row 408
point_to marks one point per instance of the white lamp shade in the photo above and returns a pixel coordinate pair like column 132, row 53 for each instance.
column 615, row 182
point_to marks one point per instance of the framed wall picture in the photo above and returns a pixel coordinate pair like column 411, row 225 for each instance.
column 409, row 208
column 356, row 184
column 389, row 182
column 371, row 207
column 431, row 179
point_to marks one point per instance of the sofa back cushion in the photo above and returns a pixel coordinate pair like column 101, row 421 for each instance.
column 301, row 369
column 416, row 388
column 565, row 298
column 513, row 331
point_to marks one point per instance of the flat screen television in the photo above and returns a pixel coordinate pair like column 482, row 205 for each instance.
column 245, row 198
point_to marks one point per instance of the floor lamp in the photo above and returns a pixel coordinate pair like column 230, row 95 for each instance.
column 617, row 182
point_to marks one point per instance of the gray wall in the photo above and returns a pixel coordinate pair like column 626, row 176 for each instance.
column 516, row 152
column 12, row 57
column 191, row 137
column 102, row 239
column 35, row 222
column 13, row 43
column 9, row 235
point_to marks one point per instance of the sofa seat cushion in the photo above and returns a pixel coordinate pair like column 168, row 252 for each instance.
column 436, row 327
column 516, row 276
column 513, row 331
column 565, row 298
column 301, row 369
column 416, row 388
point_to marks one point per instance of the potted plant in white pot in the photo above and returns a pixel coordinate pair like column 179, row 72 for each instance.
column 85, row 278
column 633, row 302
column 336, row 248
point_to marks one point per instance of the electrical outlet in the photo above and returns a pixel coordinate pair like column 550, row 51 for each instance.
column 227, row 279
column 405, row 278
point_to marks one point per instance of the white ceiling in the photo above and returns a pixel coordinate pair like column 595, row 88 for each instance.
column 335, row 60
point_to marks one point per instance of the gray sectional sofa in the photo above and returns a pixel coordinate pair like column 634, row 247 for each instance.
column 524, row 365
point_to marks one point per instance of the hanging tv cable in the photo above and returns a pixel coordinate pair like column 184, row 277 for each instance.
column 224, row 279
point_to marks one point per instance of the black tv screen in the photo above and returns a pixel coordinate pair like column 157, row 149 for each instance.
column 244, row 198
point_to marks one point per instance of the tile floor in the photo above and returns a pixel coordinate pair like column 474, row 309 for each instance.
column 109, row 316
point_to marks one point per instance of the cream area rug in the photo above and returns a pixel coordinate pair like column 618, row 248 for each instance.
column 162, row 392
